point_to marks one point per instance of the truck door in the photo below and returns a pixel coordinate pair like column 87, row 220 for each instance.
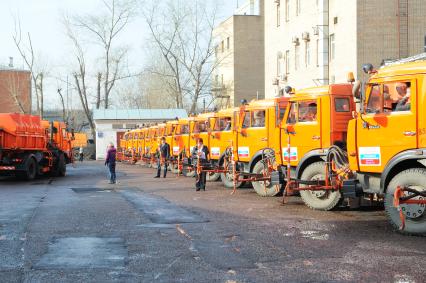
column 304, row 119
column 253, row 135
column 388, row 125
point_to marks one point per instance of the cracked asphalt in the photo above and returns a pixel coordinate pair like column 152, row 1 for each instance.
column 80, row 229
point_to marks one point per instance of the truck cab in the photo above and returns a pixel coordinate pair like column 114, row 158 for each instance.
column 316, row 120
column 258, row 129
column 387, row 141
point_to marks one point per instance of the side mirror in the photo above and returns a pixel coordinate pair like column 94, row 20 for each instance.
column 356, row 89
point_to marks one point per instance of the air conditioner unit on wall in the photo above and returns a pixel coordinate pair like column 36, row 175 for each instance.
column 283, row 77
column 305, row 36
column 275, row 81
column 316, row 30
column 295, row 40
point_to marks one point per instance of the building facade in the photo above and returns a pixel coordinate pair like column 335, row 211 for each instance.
column 316, row 42
column 239, row 61
column 15, row 90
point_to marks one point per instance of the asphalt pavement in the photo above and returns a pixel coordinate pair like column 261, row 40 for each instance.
column 81, row 229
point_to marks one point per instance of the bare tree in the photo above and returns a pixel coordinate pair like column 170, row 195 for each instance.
column 186, row 43
column 64, row 115
column 28, row 55
column 80, row 77
column 106, row 28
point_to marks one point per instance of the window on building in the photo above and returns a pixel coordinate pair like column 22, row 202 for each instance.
column 287, row 62
column 223, row 46
column 278, row 14
column 216, row 79
column 298, row 7
column 227, row 43
column 332, row 46
column 307, row 53
column 216, row 50
column 287, row 10
column 222, row 79
column 280, row 64
column 297, row 57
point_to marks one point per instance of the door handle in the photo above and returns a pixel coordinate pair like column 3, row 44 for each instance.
column 409, row 133
column 264, row 139
column 316, row 137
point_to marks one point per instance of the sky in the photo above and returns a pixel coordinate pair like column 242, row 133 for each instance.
column 43, row 20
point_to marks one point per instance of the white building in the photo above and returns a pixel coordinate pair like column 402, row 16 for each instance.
column 112, row 124
column 316, row 42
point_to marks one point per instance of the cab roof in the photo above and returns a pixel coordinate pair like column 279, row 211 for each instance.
column 418, row 67
column 314, row 92
column 266, row 103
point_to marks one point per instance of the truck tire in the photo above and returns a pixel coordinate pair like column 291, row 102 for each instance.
column 30, row 171
column 264, row 189
column 228, row 180
column 62, row 166
column 318, row 200
column 213, row 177
column 174, row 168
column 59, row 168
column 188, row 173
column 415, row 215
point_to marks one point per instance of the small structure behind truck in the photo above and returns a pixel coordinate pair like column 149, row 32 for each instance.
column 31, row 147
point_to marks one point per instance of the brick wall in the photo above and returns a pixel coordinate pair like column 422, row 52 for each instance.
column 15, row 91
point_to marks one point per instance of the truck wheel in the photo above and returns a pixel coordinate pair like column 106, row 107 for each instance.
column 415, row 214
column 228, row 179
column 30, row 170
column 62, row 166
column 188, row 173
column 319, row 200
column 59, row 167
column 264, row 188
column 174, row 168
column 213, row 177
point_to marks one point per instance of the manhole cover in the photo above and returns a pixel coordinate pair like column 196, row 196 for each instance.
column 86, row 190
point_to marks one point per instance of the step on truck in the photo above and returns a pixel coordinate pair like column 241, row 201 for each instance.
column 31, row 147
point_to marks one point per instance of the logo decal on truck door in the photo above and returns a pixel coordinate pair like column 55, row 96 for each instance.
column 176, row 150
column 293, row 153
column 370, row 156
column 244, row 151
column 215, row 151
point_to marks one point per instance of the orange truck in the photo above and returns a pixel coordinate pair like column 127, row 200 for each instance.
column 257, row 131
column 31, row 147
column 385, row 152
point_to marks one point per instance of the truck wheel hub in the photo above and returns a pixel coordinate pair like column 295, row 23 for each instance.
column 414, row 211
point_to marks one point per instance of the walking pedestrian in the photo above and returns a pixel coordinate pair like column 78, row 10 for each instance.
column 200, row 154
column 81, row 154
column 110, row 162
column 163, row 157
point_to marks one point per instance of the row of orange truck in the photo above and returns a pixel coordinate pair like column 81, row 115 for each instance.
column 325, row 143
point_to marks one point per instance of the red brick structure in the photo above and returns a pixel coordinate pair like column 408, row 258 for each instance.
column 15, row 91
